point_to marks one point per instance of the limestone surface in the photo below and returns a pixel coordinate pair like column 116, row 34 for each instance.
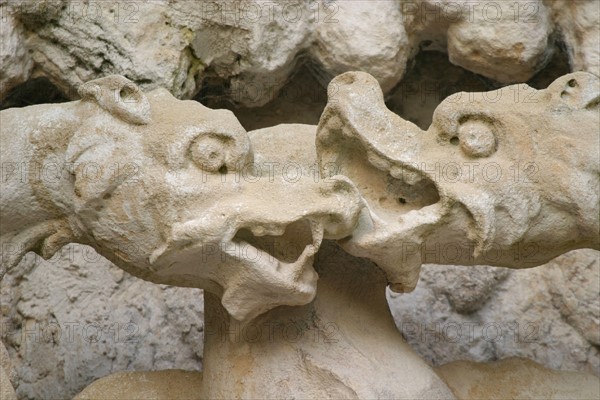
column 151, row 385
column 77, row 317
column 516, row 378
column 16, row 61
column 250, row 49
column 511, row 313
column 173, row 192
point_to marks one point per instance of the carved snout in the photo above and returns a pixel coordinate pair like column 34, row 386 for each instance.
column 255, row 244
column 334, row 203
column 478, row 187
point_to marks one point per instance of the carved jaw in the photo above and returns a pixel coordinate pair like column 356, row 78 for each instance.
column 255, row 268
column 477, row 187
column 394, row 219
column 278, row 254
column 406, row 206
column 255, row 255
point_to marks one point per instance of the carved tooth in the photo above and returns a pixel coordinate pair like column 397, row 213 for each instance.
column 304, row 261
column 273, row 230
column 411, row 177
column 258, row 230
column 397, row 172
column 406, row 175
column 276, row 230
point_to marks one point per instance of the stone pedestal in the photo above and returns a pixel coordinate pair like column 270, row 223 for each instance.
column 342, row 345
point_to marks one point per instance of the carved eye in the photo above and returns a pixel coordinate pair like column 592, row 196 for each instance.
column 476, row 139
column 209, row 154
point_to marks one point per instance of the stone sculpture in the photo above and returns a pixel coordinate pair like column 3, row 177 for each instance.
column 174, row 192
column 150, row 181
column 500, row 178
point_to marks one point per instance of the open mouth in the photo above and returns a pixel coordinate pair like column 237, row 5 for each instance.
column 286, row 249
column 274, row 259
column 402, row 202
column 391, row 191
column 375, row 149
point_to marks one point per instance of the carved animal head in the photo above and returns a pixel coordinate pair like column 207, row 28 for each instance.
column 506, row 178
column 165, row 188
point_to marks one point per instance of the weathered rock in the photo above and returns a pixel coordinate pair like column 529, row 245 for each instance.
column 8, row 376
column 74, row 42
column 256, row 66
column 505, row 41
column 77, row 317
column 364, row 36
column 574, row 283
column 168, row 328
column 519, row 319
column 252, row 47
column 200, row 233
column 6, row 389
column 430, row 195
column 16, row 61
column 330, row 348
column 253, row 253
column 468, row 292
column 577, row 21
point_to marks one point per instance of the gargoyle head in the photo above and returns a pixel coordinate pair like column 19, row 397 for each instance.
column 506, row 178
column 166, row 189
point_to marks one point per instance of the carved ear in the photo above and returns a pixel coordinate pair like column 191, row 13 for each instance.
column 580, row 90
column 120, row 97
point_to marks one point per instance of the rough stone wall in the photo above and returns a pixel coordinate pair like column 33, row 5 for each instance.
column 549, row 314
column 77, row 317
